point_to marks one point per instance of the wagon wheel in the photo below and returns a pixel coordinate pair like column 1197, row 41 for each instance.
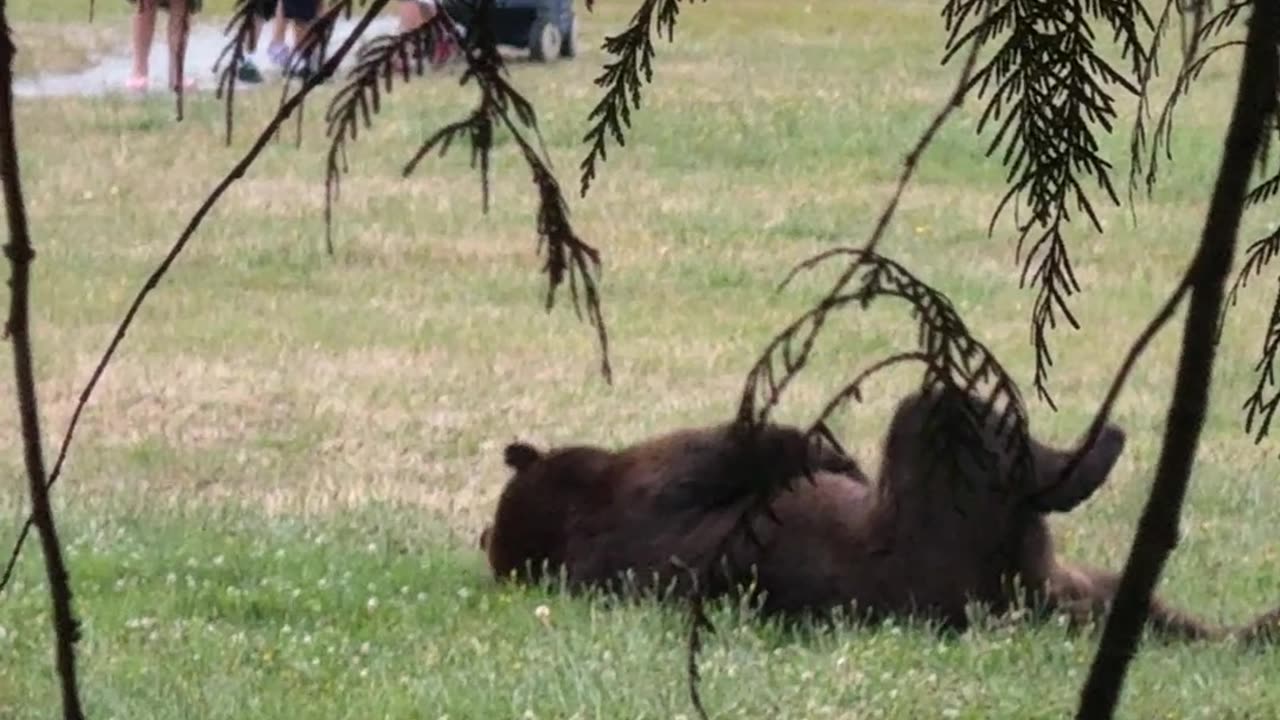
column 544, row 40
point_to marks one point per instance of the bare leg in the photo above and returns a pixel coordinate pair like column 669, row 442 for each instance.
column 248, row 71
column 278, row 28
column 179, row 25
column 144, row 30
column 300, row 29
column 277, row 49
column 252, row 45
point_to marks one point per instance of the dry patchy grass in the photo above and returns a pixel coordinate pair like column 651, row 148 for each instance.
column 264, row 374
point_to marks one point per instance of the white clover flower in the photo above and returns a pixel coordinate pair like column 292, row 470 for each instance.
column 372, row 603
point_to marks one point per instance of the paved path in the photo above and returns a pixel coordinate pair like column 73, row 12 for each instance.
column 108, row 74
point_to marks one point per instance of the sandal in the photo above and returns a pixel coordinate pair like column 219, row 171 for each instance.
column 136, row 83
column 188, row 83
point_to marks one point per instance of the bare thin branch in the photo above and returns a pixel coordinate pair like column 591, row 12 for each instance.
column 19, row 251
column 909, row 164
column 1157, row 532
column 1100, row 418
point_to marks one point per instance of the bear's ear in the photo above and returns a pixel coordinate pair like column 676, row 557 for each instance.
column 519, row 456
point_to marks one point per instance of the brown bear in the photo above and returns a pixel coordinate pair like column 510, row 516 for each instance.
column 924, row 540
column 564, row 497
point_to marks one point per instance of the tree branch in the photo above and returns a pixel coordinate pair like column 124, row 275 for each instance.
column 1148, row 334
column 1157, row 532
column 20, row 253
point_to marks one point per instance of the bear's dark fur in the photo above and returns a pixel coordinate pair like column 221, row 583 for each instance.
column 557, row 501
column 916, row 542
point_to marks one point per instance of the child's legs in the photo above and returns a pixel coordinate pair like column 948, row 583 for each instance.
column 144, row 30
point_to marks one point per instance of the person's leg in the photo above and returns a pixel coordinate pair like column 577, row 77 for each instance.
column 179, row 30
column 256, row 18
column 144, row 30
column 301, row 15
column 248, row 71
column 280, row 26
column 278, row 49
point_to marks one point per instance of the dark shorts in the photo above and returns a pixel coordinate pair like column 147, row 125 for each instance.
column 300, row 10
column 193, row 6
column 266, row 9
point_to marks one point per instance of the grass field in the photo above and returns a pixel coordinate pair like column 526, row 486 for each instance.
column 272, row 504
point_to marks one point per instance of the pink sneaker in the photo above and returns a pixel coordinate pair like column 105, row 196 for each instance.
column 136, row 83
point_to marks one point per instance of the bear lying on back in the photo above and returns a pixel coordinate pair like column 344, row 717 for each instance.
column 558, row 501
column 915, row 542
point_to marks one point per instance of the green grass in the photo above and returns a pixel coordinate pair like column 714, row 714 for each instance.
column 285, row 411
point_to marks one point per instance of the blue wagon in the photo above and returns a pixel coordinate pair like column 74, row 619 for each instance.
column 547, row 28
